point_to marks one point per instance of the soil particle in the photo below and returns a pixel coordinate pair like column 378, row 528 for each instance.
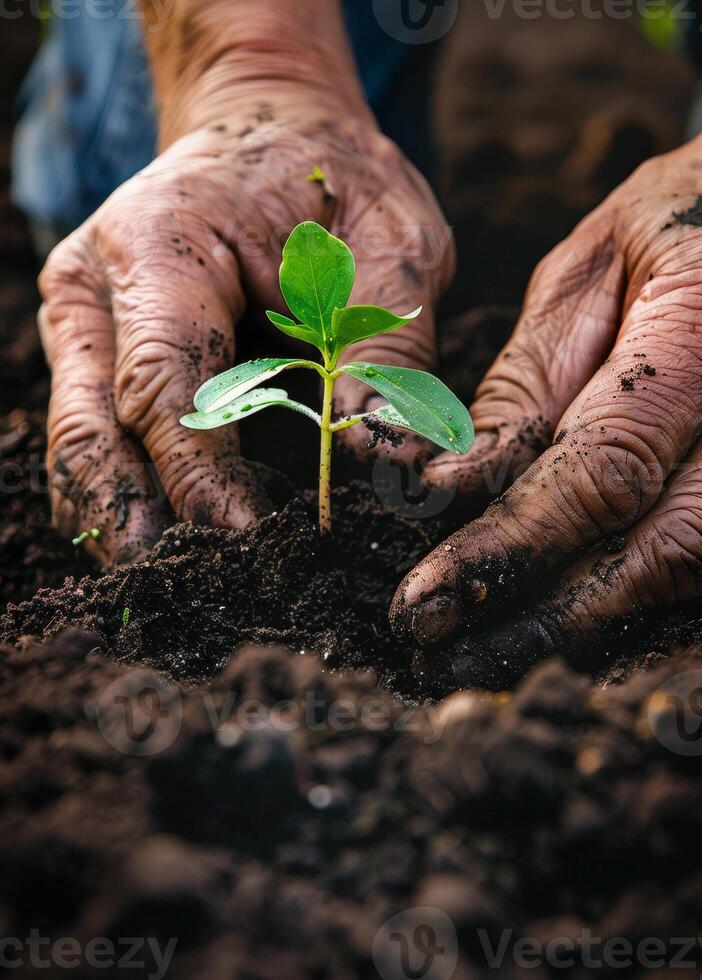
column 614, row 544
column 693, row 215
column 122, row 496
column 382, row 433
column 629, row 378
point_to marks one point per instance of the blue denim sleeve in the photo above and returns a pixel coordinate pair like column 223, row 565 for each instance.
column 87, row 120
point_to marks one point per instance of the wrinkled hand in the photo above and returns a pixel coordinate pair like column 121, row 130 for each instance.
column 141, row 304
column 594, row 408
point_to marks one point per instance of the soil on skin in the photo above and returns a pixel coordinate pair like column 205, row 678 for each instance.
column 198, row 762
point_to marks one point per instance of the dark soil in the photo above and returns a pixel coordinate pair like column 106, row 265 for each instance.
column 223, row 752
column 202, row 593
column 279, row 850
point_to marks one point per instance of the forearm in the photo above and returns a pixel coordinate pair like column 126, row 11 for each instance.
column 208, row 56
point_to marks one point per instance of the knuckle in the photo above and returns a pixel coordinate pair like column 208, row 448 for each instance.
column 140, row 381
column 648, row 171
column 64, row 269
column 680, row 534
column 71, row 459
column 137, row 223
column 621, row 481
column 670, row 552
column 386, row 151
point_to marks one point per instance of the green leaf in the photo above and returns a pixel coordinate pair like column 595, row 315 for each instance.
column 243, row 407
column 355, row 323
column 225, row 387
column 93, row 533
column 298, row 330
column 423, row 402
column 316, row 275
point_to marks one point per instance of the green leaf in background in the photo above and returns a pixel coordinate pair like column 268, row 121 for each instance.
column 316, row 276
column 355, row 323
column 245, row 406
column 425, row 404
column 297, row 330
column 225, row 387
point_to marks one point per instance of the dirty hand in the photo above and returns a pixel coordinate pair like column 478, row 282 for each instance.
column 141, row 302
column 605, row 367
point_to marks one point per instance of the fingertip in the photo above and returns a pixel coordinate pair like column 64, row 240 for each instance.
column 436, row 620
column 422, row 610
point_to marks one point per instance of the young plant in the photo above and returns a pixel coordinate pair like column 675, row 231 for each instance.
column 93, row 533
column 316, row 278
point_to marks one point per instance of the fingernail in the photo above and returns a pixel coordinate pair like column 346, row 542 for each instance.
column 436, row 619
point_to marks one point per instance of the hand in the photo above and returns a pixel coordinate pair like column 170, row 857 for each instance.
column 141, row 302
column 595, row 409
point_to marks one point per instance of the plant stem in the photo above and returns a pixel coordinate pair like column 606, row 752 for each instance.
column 325, row 453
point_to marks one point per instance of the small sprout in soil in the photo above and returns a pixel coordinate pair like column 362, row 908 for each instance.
column 316, row 277
column 317, row 176
column 126, row 614
column 93, row 533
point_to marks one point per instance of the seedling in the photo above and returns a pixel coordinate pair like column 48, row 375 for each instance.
column 93, row 533
column 316, row 278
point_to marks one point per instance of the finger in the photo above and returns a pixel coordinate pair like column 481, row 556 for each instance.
column 614, row 449
column 175, row 297
column 401, row 264
column 592, row 616
column 99, row 476
column 566, row 329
